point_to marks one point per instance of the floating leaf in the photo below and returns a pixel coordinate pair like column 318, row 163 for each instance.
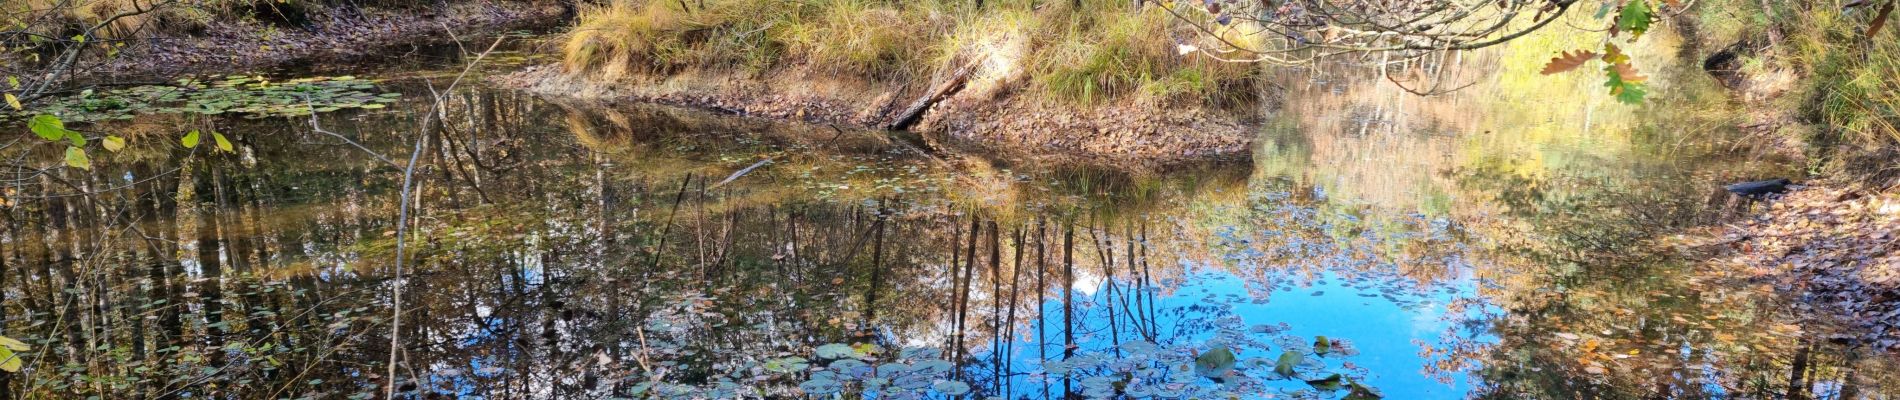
column 1568, row 60
column 866, row 349
column 835, row 350
column 952, row 388
column 1287, row 361
column 1214, row 363
column 1329, row 383
column 820, row 386
column 1362, row 392
column 113, row 143
column 1321, row 346
column 76, row 158
column 190, row 140
column 786, row 365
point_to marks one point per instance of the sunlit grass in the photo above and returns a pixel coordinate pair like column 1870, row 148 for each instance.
column 1104, row 51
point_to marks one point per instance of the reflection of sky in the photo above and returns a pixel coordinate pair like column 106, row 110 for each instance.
column 1384, row 332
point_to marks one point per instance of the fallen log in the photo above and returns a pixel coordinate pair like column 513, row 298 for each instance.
column 915, row 111
column 1759, row 188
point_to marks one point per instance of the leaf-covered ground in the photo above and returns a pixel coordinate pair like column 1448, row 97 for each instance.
column 333, row 35
column 1834, row 251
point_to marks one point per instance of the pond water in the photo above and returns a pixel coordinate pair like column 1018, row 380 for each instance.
column 1372, row 244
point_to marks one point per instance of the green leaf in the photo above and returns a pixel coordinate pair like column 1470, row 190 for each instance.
column 1631, row 94
column 76, row 158
column 1329, row 383
column 77, row 138
column 1635, row 18
column 47, row 126
column 1214, row 363
column 190, row 140
column 10, row 362
column 13, row 81
column 1362, row 392
column 14, row 102
column 1627, row 89
column 14, row 344
column 1321, row 346
column 79, row 38
column 113, row 143
column 1287, row 361
column 222, row 143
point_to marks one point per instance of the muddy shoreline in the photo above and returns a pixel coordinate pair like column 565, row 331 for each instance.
column 987, row 114
column 1829, row 244
column 331, row 36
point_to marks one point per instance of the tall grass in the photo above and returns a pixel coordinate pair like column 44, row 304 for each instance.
column 1104, row 51
column 867, row 38
column 1111, row 51
column 1850, row 92
column 626, row 37
column 1854, row 87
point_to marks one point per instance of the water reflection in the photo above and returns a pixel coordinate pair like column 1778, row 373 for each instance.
column 570, row 250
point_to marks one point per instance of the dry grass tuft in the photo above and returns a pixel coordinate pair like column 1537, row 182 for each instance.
column 1104, row 51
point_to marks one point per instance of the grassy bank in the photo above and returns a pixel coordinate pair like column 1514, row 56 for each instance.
column 1816, row 63
column 1097, row 51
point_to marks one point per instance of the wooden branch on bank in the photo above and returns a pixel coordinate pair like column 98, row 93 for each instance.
column 915, row 112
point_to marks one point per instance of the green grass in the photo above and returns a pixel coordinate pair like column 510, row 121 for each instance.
column 1850, row 92
column 1104, row 51
column 1846, row 91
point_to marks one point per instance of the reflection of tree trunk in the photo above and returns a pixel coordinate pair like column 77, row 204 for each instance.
column 211, row 266
column 1797, row 387
column 963, row 293
column 877, row 269
column 1105, row 248
column 996, row 304
column 1068, row 296
column 57, row 219
column 1042, row 339
column 1154, row 324
column 1850, row 389
column 240, row 237
column 1140, row 315
column 1009, row 325
column 165, row 265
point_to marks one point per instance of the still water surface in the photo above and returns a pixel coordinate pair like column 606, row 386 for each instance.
column 1372, row 242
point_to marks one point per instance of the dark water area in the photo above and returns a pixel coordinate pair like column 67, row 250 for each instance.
column 1373, row 244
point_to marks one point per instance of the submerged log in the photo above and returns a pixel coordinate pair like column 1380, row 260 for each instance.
column 915, row 111
column 1759, row 188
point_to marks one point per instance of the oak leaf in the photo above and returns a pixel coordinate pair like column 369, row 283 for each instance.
column 1568, row 60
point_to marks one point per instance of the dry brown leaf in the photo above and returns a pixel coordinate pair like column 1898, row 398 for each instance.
column 1568, row 60
column 1880, row 19
column 1628, row 72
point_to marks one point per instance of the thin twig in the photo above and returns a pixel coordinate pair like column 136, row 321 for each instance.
column 402, row 216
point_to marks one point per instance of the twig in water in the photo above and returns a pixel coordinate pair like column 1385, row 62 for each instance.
column 402, row 217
